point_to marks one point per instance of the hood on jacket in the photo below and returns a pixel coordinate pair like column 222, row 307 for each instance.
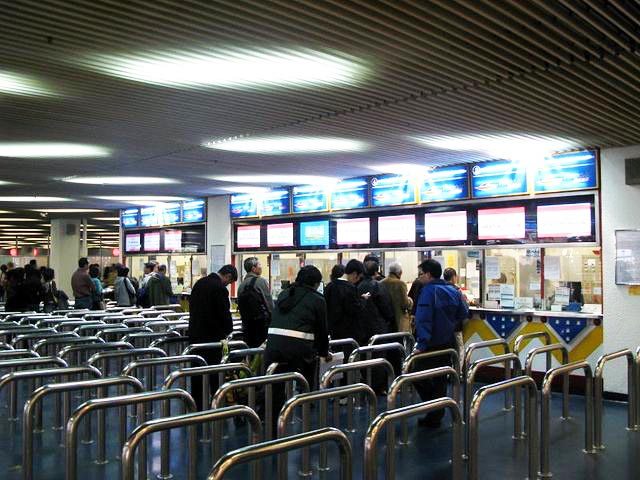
column 290, row 297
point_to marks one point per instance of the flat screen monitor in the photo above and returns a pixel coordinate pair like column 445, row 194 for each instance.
column 397, row 229
column 349, row 194
column 353, row 231
column 193, row 211
column 151, row 216
column 444, row 183
column 132, row 243
column 498, row 178
column 243, row 205
column 170, row 213
column 275, row 202
column 564, row 221
column 152, row 242
column 387, row 190
column 248, row 236
column 280, row 235
column 445, row 226
column 567, row 171
column 310, row 198
column 314, row 234
column 173, row 240
column 501, row 223
column 130, row 218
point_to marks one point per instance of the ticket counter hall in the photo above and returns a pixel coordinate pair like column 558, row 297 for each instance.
column 163, row 142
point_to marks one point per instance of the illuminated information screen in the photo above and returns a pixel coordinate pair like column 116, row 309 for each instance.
column 173, row 240
column 560, row 221
column 280, row 235
column 445, row 183
column 310, row 198
column 348, row 194
column 501, row 223
column 397, row 229
column 243, row 205
column 132, row 243
column 248, row 236
column 567, row 171
column 275, row 202
column 353, row 231
column 130, row 217
column 445, row 226
column 152, row 242
column 314, row 234
column 498, row 178
column 193, row 211
column 389, row 190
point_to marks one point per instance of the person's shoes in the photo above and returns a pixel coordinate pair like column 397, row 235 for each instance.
column 428, row 422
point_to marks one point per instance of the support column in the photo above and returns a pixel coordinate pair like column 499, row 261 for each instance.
column 218, row 232
column 66, row 248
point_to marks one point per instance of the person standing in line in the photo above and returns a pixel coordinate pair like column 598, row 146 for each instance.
column 440, row 309
column 210, row 321
column 399, row 298
column 94, row 273
column 159, row 287
column 123, row 291
column 16, row 293
column 451, row 276
column 344, row 307
column 50, row 290
column 354, row 271
column 149, row 272
column 33, row 288
column 82, row 285
column 255, row 303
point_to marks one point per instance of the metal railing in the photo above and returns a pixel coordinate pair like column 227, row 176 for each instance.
column 598, row 386
column 390, row 416
column 196, row 348
column 368, row 350
column 79, row 354
column 163, row 325
column 70, row 324
column 78, row 313
column 340, row 343
column 473, row 425
column 38, row 396
column 545, row 419
column 28, row 340
column 144, row 339
column 246, row 355
column 267, row 381
column 140, row 400
column 304, row 400
column 466, row 362
column 283, row 445
column 398, row 388
column 93, row 328
column 9, row 332
column 190, row 420
column 418, row 356
column 102, row 360
column 34, row 319
column 404, row 338
column 170, row 308
column 15, row 354
column 135, row 321
column 51, row 346
column 172, row 345
column 117, row 334
column 152, row 364
column 520, row 339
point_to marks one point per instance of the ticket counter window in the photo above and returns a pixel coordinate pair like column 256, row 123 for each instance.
column 466, row 263
column 573, row 275
column 512, row 278
column 324, row 261
column 284, row 269
column 409, row 261
column 358, row 255
column 264, row 260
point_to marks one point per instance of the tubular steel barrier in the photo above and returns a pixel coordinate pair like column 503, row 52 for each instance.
column 143, row 339
column 518, row 346
column 34, row 319
column 121, row 402
column 103, row 359
column 404, row 338
column 545, row 419
column 153, row 363
column 28, row 340
column 370, row 467
column 170, row 308
column 341, row 343
column 466, row 361
column 132, row 322
column 476, row 403
column 38, row 396
column 163, row 325
column 51, row 346
column 78, row 313
column 417, row 356
column 245, row 355
column 190, row 420
column 283, row 445
column 407, row 379
column 194, row 348
column 323, row 396
column 8, row 333
column 93, row 328
column 117, row 334
column 267, row 381
column 369, row 350
column 14, row 354
column 182, row 330
column 70, row 324
column 172, row 345
column 598, row 385
column 81, row 353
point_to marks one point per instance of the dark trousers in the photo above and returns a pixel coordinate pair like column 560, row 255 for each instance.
column 212, row 358
column 434, row 387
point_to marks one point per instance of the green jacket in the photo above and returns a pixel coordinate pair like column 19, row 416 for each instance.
column 159, row 289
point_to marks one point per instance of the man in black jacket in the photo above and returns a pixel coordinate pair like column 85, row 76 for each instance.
column 210, row 320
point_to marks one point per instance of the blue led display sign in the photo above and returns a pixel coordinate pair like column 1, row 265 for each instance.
column 314, row 234
column 498, row 178
column 130, row 218
column 349, row 194
column 310, row 198
column 445, row 183
column 275, row 202
column 243, row 205
column 193, row 211
column 567, row 171
column 387, row 190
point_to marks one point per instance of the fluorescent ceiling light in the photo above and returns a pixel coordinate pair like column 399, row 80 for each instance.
column 19, row 219
column 509, row 146
column 34, row 199
column 51, row 150
column 245, row 189
column 119, row 180
column 16, row 84
column 237, row 68
column 144, row 200
column 275, row 180
column 18, row 230
column 67, row 210
column 107, row 219
column 401, row 168
column 289, row 145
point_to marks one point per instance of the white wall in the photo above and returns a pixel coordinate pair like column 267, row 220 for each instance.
column 65, row 252
column 620, row 210
column 218, row 231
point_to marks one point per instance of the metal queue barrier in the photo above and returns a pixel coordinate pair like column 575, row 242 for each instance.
column 103, row 360
column 78, row 313
column 598, row 385
column 182, row 330
column 134, row 321
column 34, row 319
column 369, row 350
column 283, row 445
column 473, row 425
column 151, row 365
column 20, row 353
column 196, row 348
column 305, row 400
column 205, row 371
column 93, row 328
column 144, row 339
column 51, row 346
column 37, row 397
column 407, row 366
column 466, row 361
column 163, row 325
column 116, row 334
column 8, row 333
column 71, row 324
column 190, row 420
column 267, row 381
column 398, row 389
column 545, row 419
column 172, row 345
column 28, row 340
column 404, row 338
column 512, row 362
column 388, row 419
column 246, row 355
column 341, row 344
column 336, row 372
column 79, row 354
column 140, row 400
column 518, row 346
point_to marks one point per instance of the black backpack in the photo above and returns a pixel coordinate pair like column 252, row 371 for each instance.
column 254, row 314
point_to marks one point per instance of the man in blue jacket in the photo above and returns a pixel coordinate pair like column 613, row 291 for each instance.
column 440, row 309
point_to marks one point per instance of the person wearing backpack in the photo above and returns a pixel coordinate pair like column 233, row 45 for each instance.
column 255, row 303
column 142, row 299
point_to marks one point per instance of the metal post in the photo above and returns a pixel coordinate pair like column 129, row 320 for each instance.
column 389, row 417
column 404, row 338
column 478, row 398
column 468, row 354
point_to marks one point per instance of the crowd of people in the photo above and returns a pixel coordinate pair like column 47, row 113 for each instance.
column 33, row 289
column 357, row 303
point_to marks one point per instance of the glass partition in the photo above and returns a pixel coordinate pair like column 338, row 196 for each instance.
column 324, row 261
column 512, row 278
column 409, row 260
column 284, row 268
